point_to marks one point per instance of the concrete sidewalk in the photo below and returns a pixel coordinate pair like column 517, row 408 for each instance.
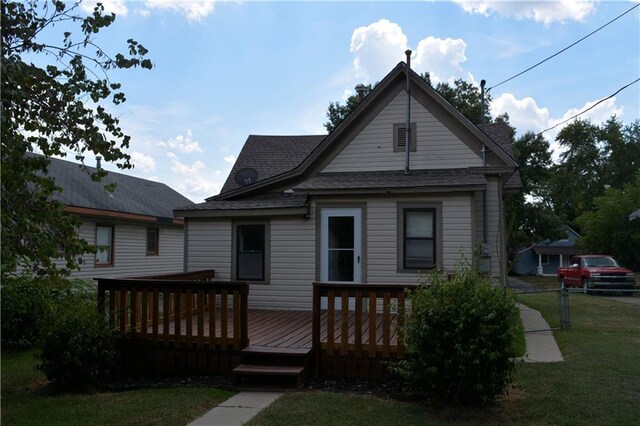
column 238, row 409
column 541, row 345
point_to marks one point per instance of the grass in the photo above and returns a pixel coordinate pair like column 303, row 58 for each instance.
column 542, row 283
column 28, row 400
column 598, row 383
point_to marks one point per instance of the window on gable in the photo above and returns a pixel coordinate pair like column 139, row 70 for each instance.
column 153, row 240
column 400, row 137
column 251, row 251
column 104, row 244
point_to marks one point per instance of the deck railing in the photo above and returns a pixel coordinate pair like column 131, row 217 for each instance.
column 168, row 311
column 358, row 326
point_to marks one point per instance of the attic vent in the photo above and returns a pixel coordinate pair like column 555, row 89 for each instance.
column 400, row 137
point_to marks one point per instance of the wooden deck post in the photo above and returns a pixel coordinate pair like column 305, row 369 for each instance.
column 315, row 337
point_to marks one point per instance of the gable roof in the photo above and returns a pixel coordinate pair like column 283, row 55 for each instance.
column 132, row 195
column 309, row 149
column 500, row 133
column 271, row 156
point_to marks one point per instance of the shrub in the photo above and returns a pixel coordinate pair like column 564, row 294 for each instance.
column 25, row 301
column 461, row 337
column 78, row 346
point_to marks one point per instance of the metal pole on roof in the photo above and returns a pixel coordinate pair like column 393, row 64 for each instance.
column 407, row 143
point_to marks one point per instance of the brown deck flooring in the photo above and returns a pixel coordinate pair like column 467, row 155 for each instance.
column 287, row 329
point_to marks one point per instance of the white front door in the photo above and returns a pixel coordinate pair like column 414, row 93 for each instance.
column 341, row 245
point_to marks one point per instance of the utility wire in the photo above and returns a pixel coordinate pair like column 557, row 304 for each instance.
column 591, row 107
column 566, row 48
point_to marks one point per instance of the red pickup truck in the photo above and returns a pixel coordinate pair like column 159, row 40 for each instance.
column 593, row 271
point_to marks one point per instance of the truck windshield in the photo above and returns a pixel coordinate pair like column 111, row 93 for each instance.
column 600, row 262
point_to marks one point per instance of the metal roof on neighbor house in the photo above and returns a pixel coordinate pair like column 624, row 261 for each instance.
column 132, row 195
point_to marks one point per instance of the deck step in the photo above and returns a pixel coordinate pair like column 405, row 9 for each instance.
column 269, row 350
column 268, row 370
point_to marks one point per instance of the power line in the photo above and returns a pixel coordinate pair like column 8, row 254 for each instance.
column 566, row 48
column 591, row 107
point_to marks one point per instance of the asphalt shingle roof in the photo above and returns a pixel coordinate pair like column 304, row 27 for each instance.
column 262, row 201
column 500, row 134
column 132, row 194
column 392, row 179
column 271, row 156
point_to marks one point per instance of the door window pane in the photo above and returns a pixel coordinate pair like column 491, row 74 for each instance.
column 341, row 232
column 340, row 265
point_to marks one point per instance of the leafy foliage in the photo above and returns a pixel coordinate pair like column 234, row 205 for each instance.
column 78, row 346
column 461, row 337
column 607, row 228
column 55, row 108
column 25, row 303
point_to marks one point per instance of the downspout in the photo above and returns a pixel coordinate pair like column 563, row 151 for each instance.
column 407, row 145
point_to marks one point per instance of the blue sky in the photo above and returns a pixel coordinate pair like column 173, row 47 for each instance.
column 225, row 70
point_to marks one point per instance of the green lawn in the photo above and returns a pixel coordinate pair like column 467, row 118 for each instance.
column 598, row 383
column 27, row 400
column 542, row 283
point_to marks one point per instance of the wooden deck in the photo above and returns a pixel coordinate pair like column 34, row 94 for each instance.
column 288, row 329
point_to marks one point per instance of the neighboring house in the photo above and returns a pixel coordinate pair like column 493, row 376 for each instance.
column 545, row 258
column 340, row 207
column 634, row 215
column 133, row 226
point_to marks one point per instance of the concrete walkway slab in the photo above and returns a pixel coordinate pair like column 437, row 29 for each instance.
column 238, row 409
column 541, row 345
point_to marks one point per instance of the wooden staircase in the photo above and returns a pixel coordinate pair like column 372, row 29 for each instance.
column 265, row 366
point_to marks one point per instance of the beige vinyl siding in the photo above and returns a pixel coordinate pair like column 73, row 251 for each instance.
column 293, row 257
column 382, row 236
column 209, row 246
column 372, row 148
column 130, row 250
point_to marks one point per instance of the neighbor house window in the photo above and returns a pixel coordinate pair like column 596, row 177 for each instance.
column 104, row 244
column 400, row 137
column 419, row 245
column 544, row 259
column 251, row 251
column 153, row 238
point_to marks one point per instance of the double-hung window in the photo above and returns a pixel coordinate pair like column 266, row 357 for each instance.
column 419, row 239
column 104, row 244
column 153, row 238
column 419, row 236
column 251, row 251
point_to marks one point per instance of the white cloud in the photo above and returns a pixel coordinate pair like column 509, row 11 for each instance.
column 525, row 114
column 111, row 6
column 545, row 11
column 230, row 159
column 192, row 10
column 380, row 46
column 194, row 180
column 142, row 162
column 377, row 48
column 441, row 57
column 186, row 144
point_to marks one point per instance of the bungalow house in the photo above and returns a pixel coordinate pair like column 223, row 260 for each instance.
column 364, row 204
column 546, row 257
column 133, row 226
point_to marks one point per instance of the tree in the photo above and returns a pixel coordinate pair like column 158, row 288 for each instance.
column 621, row 146
column 530, row 218
column 607, row 228
column 54, row 108
column 465, row 97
